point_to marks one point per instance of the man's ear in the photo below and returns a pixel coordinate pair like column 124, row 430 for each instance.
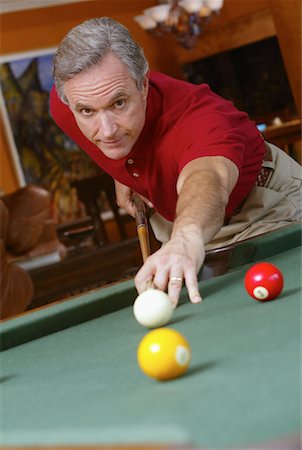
column 145, row 87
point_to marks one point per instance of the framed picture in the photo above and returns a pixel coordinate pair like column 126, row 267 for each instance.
column 42, row 153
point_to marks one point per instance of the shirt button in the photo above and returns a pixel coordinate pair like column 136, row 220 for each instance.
column 130, row 161
column 135, row 174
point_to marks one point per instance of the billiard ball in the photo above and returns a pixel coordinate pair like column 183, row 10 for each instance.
column 264, row 281
column 164, row 354
column 153, row 308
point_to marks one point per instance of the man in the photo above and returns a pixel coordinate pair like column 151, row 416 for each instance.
column 191, row 155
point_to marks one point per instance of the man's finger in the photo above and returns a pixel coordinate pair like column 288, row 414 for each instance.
column 174, row 288
column 147, row 201
column 161, row 279
column 143, row 277
column 192, row 287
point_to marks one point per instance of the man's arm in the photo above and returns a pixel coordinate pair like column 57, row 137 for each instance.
column 203, row 187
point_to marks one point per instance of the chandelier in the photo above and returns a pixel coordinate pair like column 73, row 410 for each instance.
column 186, row 19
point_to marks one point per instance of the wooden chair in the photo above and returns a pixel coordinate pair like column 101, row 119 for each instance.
column 91, row 192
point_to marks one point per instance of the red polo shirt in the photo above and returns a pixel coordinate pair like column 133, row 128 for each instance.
column 184, row 122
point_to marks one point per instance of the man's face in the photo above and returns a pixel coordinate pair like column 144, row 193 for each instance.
column 107, row 106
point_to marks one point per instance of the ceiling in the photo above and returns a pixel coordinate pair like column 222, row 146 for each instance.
column 19, row 5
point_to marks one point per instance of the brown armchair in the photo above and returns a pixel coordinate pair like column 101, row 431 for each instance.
column 26, row 231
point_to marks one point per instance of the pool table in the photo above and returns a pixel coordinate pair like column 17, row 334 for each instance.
column 69, row 375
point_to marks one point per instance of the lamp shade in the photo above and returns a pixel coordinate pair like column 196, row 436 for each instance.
column 158, row 13
column 146, row 22
column 191, row 6
column 215, row 5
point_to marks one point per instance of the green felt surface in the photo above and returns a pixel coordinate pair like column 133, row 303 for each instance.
column 82, row 384
column 98, row 302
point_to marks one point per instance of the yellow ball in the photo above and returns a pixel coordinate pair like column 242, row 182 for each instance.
column 164, row 354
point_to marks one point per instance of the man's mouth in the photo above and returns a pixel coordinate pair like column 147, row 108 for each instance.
column 112, row 142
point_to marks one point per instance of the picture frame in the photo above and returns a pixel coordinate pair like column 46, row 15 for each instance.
column 41, row 153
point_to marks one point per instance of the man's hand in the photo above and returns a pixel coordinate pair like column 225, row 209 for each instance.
column 203, row 187
column 178, row 260
column 124, row 198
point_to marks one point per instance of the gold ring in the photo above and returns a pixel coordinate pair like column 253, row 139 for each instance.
column 176, row 279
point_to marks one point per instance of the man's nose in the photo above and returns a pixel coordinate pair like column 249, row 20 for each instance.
column 106, row 126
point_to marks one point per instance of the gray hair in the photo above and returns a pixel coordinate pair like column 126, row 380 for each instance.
column 88, row 43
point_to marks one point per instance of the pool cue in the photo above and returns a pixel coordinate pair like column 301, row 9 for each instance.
column 142, row 226
column 142, row 231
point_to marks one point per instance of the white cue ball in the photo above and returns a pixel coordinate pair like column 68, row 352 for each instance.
column 153, row 308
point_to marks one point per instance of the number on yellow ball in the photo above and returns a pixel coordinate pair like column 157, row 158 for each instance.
column 164, row 354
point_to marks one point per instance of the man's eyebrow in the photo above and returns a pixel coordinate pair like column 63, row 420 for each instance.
column 80, row 106
column 118, row 95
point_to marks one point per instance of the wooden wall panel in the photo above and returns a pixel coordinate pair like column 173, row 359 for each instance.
column 246, row 30
column 287, row 18
column 8, row 177
column 45, row 27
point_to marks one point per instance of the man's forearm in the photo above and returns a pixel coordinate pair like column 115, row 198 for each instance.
column 201, row 205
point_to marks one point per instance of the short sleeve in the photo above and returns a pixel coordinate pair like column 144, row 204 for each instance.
column 209, row 135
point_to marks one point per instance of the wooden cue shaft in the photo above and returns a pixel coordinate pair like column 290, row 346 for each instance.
column 143, row 237
column 143, row 232
column 142, row 227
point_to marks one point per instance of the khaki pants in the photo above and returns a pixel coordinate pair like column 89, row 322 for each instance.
column 277, row 204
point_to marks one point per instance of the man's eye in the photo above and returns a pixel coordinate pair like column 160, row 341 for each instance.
column 120, row 103
column 86, row 111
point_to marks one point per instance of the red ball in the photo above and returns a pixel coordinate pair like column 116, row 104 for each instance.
column 264, row 281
